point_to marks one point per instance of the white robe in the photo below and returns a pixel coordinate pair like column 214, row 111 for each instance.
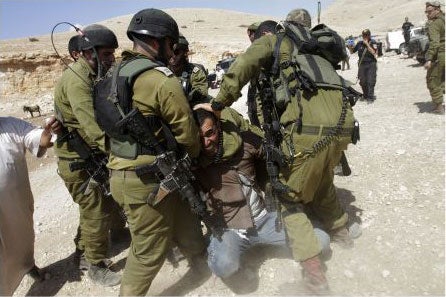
column 16, row 201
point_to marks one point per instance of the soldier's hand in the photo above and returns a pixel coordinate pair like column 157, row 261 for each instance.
column 427, row 65
column 208, row 107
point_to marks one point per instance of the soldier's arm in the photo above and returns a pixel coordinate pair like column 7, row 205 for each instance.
column 80, row 96
column 176, row 111
column 434, row 41
column 245, row 67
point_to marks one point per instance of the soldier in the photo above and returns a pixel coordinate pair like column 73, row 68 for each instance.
column 74, row 109
column 155, row 219
column 307, row 113
column 74, row 47
column 435, row 55
column 193, row 76
column 252, row 30
column 253, row 101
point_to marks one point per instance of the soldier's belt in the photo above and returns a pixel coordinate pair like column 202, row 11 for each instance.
column 123, row 173
column 316, row 130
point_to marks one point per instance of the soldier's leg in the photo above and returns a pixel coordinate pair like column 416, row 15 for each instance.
column 371, row 80
column 187, row 232
column 149, row 229
column 435, row 81
column 94, row 220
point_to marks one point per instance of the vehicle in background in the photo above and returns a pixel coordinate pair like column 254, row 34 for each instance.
column 418, row 46
column 395, row 39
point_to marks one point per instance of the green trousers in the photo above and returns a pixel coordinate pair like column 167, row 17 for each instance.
column 435, row 79
column 312, row 193
column 94, row 214
column 153, row 229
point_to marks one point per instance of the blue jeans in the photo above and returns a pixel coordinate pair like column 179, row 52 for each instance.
column 224, row 255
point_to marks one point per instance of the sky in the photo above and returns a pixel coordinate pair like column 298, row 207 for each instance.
column 26, row 18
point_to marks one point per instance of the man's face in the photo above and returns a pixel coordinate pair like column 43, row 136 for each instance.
column 209, row 135
column 178, row 60
column 431, row 12
column 251, row 34
column 106, row 56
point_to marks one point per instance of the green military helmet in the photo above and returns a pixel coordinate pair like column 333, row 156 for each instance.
column 98, row 36
column 182, row 43
column 155, row 23
column 254, row 26
column 300, row 16
column 74, row 44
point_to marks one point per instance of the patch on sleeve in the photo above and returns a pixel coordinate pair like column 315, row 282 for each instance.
column 196, row 69
column 164, row 70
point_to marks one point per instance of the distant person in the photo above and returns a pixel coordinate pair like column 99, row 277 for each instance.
column 16, row 199
column 435, row 55
column 406, row 31
column 367, row 64
column 219, row 72
column 346, row 62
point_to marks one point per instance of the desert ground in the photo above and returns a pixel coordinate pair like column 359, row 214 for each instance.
column 396, row 193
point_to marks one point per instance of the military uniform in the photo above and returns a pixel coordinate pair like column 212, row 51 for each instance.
column 74, row 108
column 153, row 225
column 310, row 178
column 195, row 83
column 436, row 73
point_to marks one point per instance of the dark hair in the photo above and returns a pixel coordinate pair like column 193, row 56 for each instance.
column 201, row 114
column 366, row 32
column 265, row 27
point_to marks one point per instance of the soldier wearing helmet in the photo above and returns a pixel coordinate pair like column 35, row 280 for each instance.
column 193, row 76
column 156, row 218
column 304, row 112
column 73, row 104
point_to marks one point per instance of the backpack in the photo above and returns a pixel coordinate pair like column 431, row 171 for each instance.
column 320, row 40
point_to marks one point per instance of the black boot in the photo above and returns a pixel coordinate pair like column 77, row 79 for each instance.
column 102, row 275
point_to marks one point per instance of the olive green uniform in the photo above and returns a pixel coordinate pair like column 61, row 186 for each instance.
column 153, row 226
column 310, row 178
column 195, row 80
column 435, row 75
column 74, row 107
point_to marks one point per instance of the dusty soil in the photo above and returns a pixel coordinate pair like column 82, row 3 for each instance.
column 396, row 192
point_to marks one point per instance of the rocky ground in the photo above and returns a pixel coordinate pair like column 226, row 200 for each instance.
column 396, row 192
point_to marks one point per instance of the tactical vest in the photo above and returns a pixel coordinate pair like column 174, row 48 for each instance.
column 113, row 98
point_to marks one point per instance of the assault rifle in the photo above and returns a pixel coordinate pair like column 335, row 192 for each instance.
column 93, row 161
column 173, row 171
column 275, row 159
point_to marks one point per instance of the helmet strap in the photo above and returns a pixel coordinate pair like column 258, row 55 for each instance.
column 145, row 47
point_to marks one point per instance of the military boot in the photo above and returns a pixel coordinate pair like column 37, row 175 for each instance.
column 342, row 237
column 438, row 109
column 314, row 277
column 102, row 275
